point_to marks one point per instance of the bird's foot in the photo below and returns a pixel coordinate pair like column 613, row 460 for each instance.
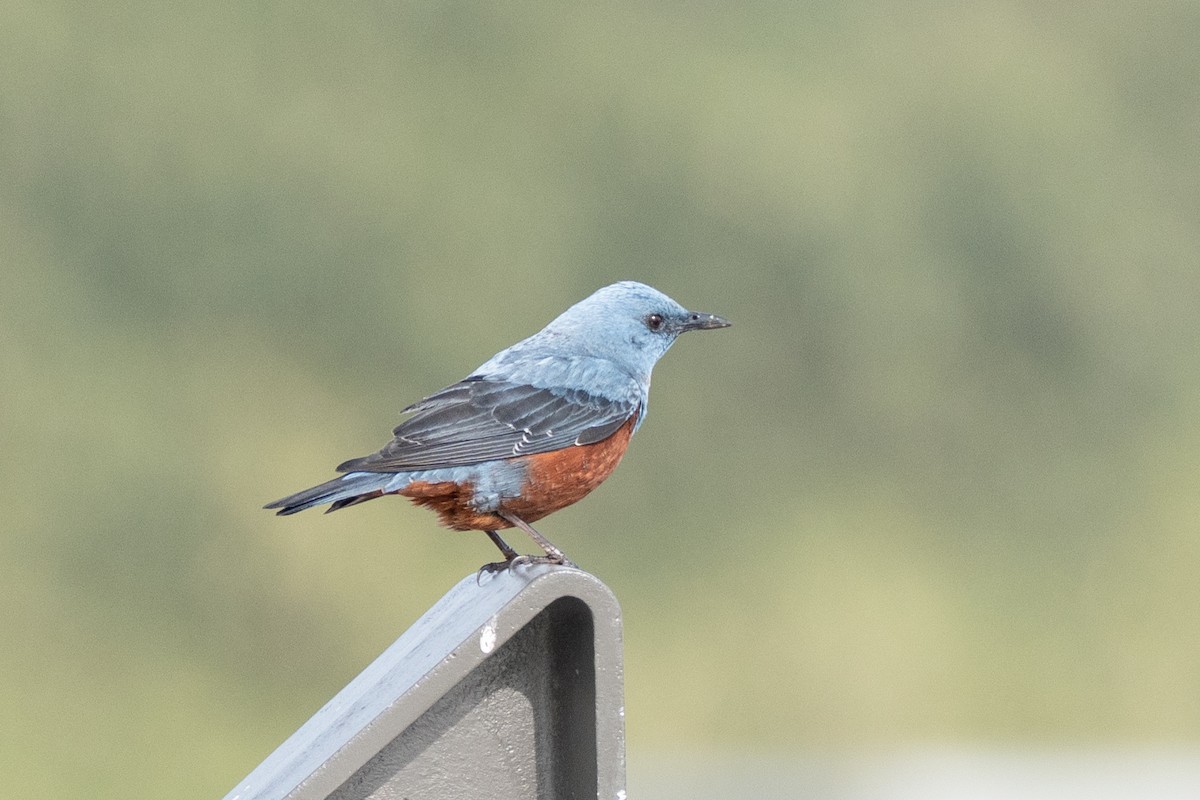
column 497, row 567
column 558, row 560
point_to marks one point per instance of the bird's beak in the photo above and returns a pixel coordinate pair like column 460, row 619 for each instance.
column 703, row 321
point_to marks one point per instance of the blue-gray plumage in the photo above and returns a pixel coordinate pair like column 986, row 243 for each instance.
column 533, row 429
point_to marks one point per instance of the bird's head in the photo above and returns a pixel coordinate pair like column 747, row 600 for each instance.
column 629, row 323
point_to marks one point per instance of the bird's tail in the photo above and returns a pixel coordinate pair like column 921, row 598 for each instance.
column 342, row 491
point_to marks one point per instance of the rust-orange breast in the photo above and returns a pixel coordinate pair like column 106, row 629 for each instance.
column 554, row 481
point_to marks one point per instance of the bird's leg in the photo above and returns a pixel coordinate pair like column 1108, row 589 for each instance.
column 508, row 552
column 553, row 554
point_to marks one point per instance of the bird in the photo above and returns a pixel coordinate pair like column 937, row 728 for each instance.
column 533, row 430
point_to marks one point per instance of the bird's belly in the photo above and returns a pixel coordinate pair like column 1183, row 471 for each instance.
column 557, row 479
column 547, row 482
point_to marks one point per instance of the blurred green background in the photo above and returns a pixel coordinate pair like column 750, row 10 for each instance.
column 938, row 484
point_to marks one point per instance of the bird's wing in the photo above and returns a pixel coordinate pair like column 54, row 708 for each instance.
column 483, row 420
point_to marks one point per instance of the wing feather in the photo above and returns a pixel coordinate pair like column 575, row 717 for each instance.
column 483, row 420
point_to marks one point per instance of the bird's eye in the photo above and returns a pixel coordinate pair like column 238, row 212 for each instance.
column 654, row 322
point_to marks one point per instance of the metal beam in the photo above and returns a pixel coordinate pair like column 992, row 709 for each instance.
column 510, row 686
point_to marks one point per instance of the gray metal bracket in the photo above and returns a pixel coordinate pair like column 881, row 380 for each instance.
column 510, row 686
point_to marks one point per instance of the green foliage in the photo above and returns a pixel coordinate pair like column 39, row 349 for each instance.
column 938, row 482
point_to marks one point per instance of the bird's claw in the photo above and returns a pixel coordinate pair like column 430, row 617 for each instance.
column 559, row 560
column 492, row 569
column 497, row 567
